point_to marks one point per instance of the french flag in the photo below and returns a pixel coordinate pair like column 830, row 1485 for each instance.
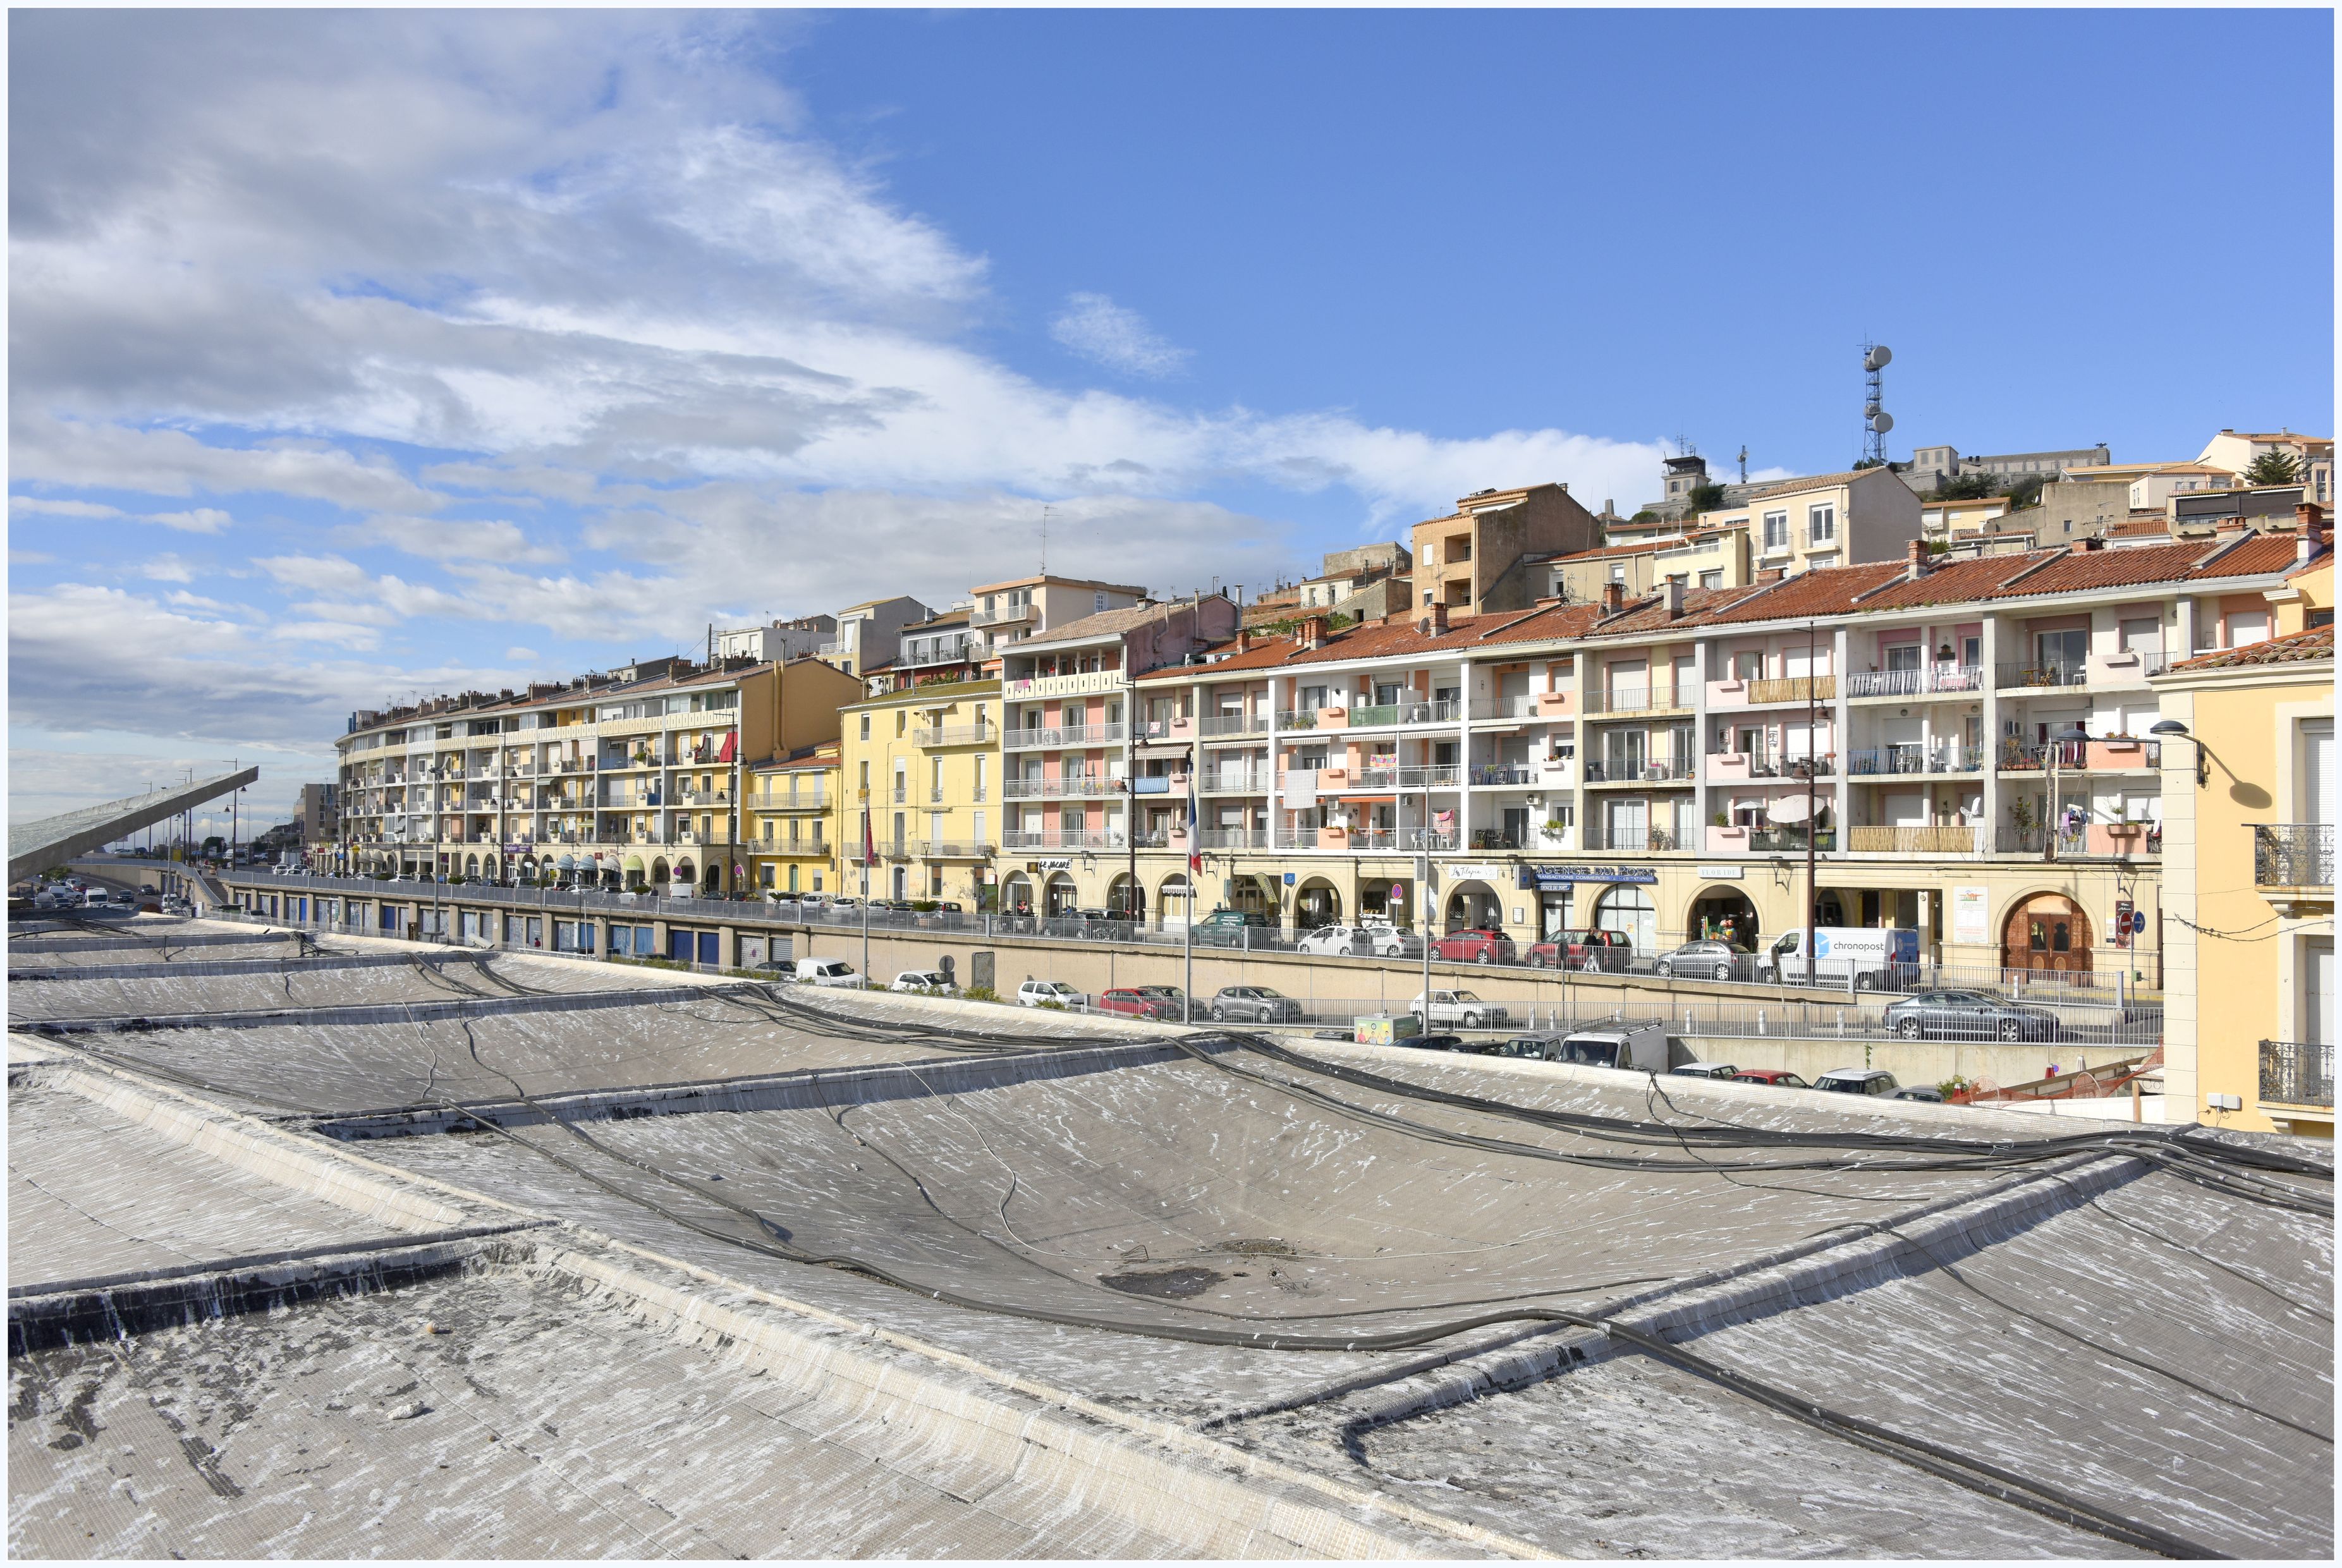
column 1195, row 842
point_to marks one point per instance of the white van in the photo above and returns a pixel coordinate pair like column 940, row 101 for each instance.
column 827, row 972
column 1868, row 958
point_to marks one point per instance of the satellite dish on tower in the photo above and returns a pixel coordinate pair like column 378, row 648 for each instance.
column 1882, row 422
column 1878, row 358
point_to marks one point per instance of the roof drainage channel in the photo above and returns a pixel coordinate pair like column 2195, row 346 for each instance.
column 817, row 1088
column 389, row 1012
column 197, row 968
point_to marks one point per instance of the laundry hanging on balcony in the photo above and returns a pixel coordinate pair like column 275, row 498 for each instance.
column 731, row 742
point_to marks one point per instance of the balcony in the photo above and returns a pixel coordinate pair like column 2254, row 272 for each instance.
column 1235, row 781
column 1759, row 691
column 1214, row 725
column 1498, row 838
column 1790, row 840
column 1914, row 758
column 2132, row 666
column 1509, row 773
column 1429, row 841
column 1744, row 767
column 1526, row 705
column 2115, row 755
column 1947, row 839
column 1630, row 841
column 1082, row 683
column 2293, row 856
column 953, row 735
column 1226, row 838
column 1041, row 736
column 2040, row 677
column 1636, row 700
column 1078, row 786
column 2298, row 1072
column 948, row 849
column 1298, row 719
column 1062, row 838
column 1637, row 770
column 788, row 800
column 1436, row 775
column 1962, row 680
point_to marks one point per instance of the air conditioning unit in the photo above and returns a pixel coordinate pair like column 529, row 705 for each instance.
column 1654, row 775
column 1533, row 801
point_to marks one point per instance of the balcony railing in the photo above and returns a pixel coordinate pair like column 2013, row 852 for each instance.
column 1773, row 765
column 1232, row 725
column 1946, row 839
column 1637, row 770
column 1516, row 707
column 1042, row 736
column 1062, row 838
column 1508, row 774
column 1434, row 776
column 953, row 735
column 2293, row 854
column 2297, row 1071
column 1298, row 719
column 787, row 800
column 1792, row 689
column 1234, row 838
column 1236, row 781
column 2034, row 839
column 1790, row 840
column 948, row 849
column 1639, row 700
column 1914, row 758
column 2008, row 676
column 1427, row 839
column 1925, row 682
column 1497, row 838
column 1061, row 786
column 1631, row 840
column 2026, row 757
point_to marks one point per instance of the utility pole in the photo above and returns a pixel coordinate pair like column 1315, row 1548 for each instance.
column 1813, row 828
column 1188, row 926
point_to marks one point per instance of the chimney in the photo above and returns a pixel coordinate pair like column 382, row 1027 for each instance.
column 1614, row 597
column 1244, row 639
column 1313, row 631
column 1915, row 560
column 2310, row 527
column 1674, row 598
column 1436, row 624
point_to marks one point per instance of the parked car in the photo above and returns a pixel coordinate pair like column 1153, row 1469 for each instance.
column 1230, row 928
column 1169, row 993
column 1629, row 1047
column 1128, row 1002
column 1532, row 1047
column 1710, row 958
column 1711, row 1070
column 1434, row 1042
column 1858, row 1081
column 1967, row 1015
column 1586, row 950
column 1477, row 944
column 1927, row 1094
column 1455, row 1008
column 1034, row 993
column 1390, row 941
column 827, row 972
column 1254, row 1004
column 1337, row 942
column 925, row 983
column 1329, row 1034
column 1773, row 1077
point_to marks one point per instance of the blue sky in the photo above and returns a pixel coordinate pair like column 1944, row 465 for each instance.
column 355, row 354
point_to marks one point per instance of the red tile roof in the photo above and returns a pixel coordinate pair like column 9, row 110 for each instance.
column 2301, row 648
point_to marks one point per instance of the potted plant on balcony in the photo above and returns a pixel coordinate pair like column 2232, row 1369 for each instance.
column 1557, row 830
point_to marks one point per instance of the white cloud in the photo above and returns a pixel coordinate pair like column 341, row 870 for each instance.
column 1097, row 328
column 165, row 569
column 520, row 655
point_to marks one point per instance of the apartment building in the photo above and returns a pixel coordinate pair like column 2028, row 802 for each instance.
column 1710, row 558
column 1967, row 746
column 793, row 820
column 317, row 816
column 777, row 643
column 2248, row 788
column 2233, row 452
column 945, row 647
column 924, row 763
column 1069, row 790
column 1478, row 558
column 631, row 779
column 1827, row 520
column 1933, row 466
column 870, row 634
column 1022, row 607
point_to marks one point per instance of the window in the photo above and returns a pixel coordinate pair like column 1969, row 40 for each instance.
column 1776, row 531
column 866, row 776
column 866, row 732
column 1097, row 601
column 902, row 718
column 1821, row 524
column 1711, row 579
column 1618, row 573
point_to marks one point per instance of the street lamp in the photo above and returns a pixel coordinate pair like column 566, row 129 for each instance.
column 2177, row 730
column 2072, row 735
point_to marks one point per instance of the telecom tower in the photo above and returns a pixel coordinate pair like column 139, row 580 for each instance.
column 1875, row 421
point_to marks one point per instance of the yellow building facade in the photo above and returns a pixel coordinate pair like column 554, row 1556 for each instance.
column 792, row 814
column 925, row 765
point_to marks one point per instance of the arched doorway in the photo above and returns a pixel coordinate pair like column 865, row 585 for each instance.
column 1125, row 897
column 1628, row 911
column 1380, row 898
column 1254, row 894
column 1316, row 903
column 711, row 881
column 527, row 869
column 472, row 865
column 1725, row 912
column 899, row 882
column 1474, row 906
column 659, row 877
column 2047, row 931
column 1171, row 900
column 1016, row 894
column 634, row 871
column 685, row 873
column 1062, row 896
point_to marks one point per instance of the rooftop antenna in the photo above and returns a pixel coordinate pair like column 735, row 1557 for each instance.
column 1044, row 540
column 1875, row 421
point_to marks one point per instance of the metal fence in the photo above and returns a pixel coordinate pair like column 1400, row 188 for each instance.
column 2293, row 854
column 2297, row 1071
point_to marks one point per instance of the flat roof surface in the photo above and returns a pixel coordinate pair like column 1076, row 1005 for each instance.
column 822, row 1273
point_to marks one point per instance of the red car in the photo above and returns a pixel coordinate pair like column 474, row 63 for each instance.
column 1609, row 949
column 1132, row 1004
column 1480, row 946
column 1773, row 1077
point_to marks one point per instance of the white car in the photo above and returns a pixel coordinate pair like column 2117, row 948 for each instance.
column 1453, row 1009
column 1034, row 993
column 827, row 972
column 925, row 983
column 1337, row 942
